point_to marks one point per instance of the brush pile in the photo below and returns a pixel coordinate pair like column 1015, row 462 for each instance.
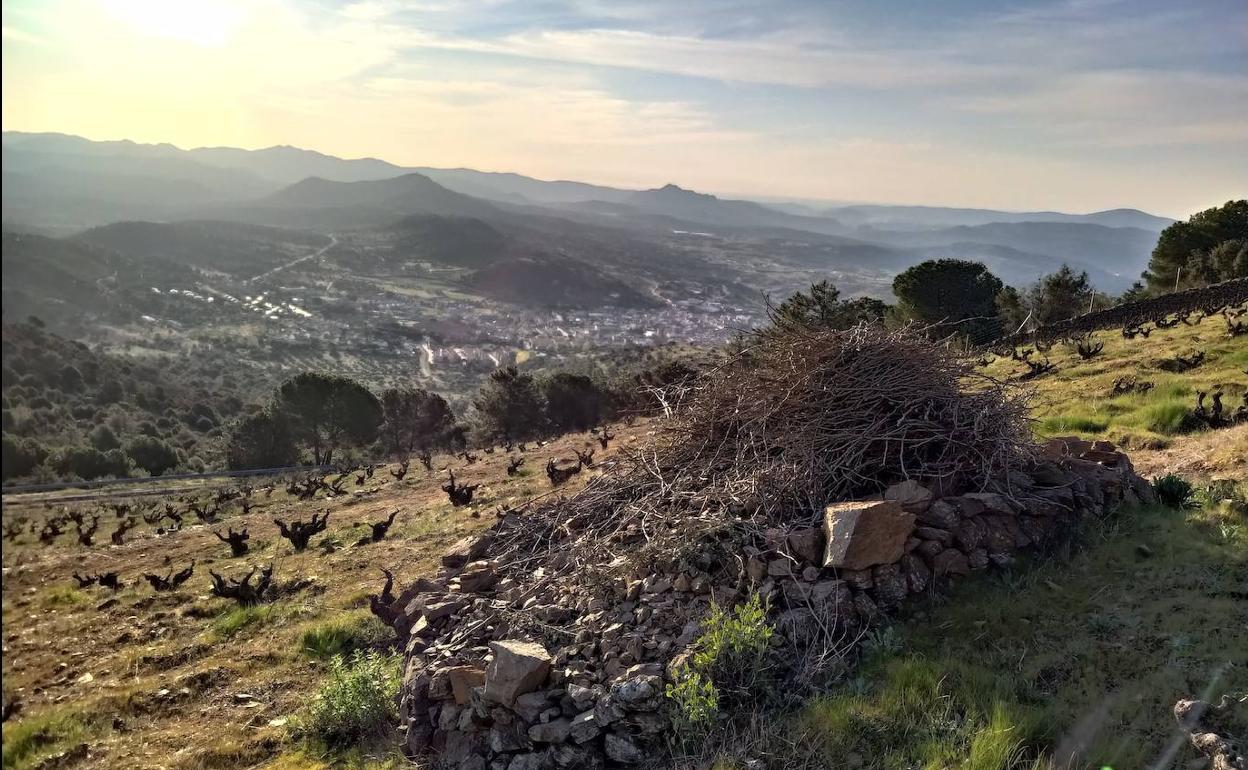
column 548, row 641
column 771, row 436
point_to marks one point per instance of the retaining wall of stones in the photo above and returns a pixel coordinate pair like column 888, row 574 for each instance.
column 572, row 680
column 1208, row 299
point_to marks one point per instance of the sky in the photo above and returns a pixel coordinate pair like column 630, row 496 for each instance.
column 1073, row 105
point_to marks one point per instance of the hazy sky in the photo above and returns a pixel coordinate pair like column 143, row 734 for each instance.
column 1074, row 105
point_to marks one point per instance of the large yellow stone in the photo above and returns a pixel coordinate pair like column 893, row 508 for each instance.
column 863, row 534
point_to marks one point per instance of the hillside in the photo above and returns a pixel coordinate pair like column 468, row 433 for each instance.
column 230, row 247
column 178, row 669
column 61, row 280
column 1079, row 399
column 62, row 399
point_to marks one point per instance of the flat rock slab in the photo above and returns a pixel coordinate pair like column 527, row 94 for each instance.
column 863, row 534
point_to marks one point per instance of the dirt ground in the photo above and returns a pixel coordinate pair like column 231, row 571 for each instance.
column 181, row 679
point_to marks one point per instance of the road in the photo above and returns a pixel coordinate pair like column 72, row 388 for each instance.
column 332, row 243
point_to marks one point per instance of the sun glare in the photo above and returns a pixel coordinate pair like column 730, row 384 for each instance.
column 202, row 22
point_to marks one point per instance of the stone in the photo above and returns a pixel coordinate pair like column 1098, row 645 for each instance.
column 950, row 562
column 530, row 705
column 512, row 737
column 918, row 576
column 967, row 506
column 535, row 760
column 890, row 585
column 977, row 559
column 468, row 549
column 584, row 727
column 638, row 693
column 518, row 667
column 940, row 514
column 864, row 534
column 807, row 545
column 992, row 502
column 780, row 568
column 623, row 749
column 913, row 496
column 942, row 536
column 462, row 679
column 554, row 731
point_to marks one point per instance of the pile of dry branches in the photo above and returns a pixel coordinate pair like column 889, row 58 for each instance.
column 791, row 422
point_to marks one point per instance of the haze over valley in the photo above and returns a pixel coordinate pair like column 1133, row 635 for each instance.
column 291, row 259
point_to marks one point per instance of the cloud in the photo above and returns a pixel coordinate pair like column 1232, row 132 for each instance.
column 797, row 99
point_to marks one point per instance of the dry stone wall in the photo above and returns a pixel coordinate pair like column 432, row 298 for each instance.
column 1207, row 299
column 506, row 676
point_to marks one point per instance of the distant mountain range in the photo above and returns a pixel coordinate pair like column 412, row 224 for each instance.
column 60, row 184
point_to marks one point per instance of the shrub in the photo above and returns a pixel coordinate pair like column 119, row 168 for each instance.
column 695, row 702
column 90, row 463
column 21, row 456
column 730, row 654
column 152, row 454
column 356, row 701
column 1173, row 491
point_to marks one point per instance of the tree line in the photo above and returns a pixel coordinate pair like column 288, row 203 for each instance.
column 318, row 416
column 965, row 298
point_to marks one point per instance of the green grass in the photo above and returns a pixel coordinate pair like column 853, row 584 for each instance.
column 29, row 741
column 1161, row 416
column 343, row 635
column 1072, row 423
column 243, row 619
column 62, row 596
column 1089, row 649
column 1076, row 399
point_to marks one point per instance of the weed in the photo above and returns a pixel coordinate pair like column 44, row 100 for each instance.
column 695, row 702
column 1174, row 492
column 62, row 596
column 733, row 646
column 240, row 619
column 356, row 701
column 344, row 635
column 1071, row 423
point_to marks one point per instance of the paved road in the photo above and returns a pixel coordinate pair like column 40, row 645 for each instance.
column 332, row 243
